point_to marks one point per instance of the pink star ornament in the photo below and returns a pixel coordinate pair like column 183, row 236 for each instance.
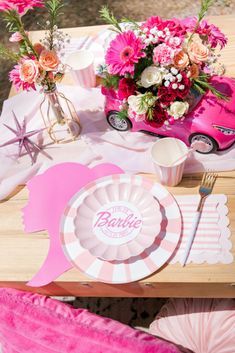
column 23, row 138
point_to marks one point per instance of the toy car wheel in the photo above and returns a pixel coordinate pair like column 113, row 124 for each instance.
column 209, row 144
column 117, row 122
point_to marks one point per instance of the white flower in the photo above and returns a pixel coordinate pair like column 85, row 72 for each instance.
column 179, row 77
column 178, row 109
column 135, row 104
column 174, row 71
column 147, row 41
column 153, row 30
column 151, row 76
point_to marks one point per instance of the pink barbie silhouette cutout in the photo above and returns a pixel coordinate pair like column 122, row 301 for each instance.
column 49, row 194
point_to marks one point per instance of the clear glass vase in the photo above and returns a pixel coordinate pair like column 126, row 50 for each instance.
column 60, row 117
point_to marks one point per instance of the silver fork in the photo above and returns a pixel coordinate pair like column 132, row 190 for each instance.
column 205, row 189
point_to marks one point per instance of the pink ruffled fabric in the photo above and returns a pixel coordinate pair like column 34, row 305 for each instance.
column 202, row 325
column 32, row 323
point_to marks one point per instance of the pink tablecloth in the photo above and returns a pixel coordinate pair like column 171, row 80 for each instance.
column 98, row 143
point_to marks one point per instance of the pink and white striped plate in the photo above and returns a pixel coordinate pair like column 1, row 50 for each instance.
column 117, row 219
column 135, row 267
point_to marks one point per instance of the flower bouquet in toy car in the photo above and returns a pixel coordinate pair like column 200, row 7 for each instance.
column 163, row 77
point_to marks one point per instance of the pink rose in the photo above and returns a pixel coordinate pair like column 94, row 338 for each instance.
column 15, row 37
column 198, row 52
column 163, row 55
column 29, row 71
column 49, row 60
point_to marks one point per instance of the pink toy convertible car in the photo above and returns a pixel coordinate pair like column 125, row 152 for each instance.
column 210, row 120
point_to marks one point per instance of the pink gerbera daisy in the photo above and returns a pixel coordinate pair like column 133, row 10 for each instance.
column 124, row 51
column 21, row 6
column 14, row 77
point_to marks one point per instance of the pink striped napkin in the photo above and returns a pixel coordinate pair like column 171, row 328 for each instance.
column 211, row 243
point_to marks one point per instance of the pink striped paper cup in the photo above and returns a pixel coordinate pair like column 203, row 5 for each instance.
column 169, row 156
column 82, row 68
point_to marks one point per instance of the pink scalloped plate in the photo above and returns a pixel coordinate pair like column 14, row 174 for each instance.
column 117, row 218
column 91, row 206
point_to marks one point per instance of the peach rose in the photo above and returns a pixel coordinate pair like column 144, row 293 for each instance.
column 29, row 71
column 38, row 47
column 181, row 60
column 198, row 52
column 193, row 71
column 48, row 60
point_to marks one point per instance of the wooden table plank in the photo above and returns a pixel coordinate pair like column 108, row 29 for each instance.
column 22, row 254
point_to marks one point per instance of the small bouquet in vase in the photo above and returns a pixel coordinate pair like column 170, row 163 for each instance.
column 40, row 64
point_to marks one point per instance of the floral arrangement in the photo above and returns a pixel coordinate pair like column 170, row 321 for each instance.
column 155, row 68
column 39, row 63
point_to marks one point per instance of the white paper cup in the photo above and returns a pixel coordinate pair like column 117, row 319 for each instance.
column 82, row 65
column 169, row 155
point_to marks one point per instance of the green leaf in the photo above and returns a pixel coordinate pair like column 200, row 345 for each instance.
column 146, row 103
column 55, row 11
column 108, row 17
column 13, row 23
column 198, row 88
column 110, row 81
column 150, row 113
column 204, row 85
column 123, row 114
column 205, row 5
column 128, row 20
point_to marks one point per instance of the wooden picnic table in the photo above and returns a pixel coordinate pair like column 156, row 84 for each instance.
column 21, row 254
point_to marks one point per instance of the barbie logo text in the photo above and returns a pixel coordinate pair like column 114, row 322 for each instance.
column 118, row 222
column 106, row 219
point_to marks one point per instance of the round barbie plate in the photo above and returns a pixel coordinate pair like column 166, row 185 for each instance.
column 136, row 267
column 117, row 218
